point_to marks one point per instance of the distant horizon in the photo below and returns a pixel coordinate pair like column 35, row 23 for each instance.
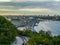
column 26, row 15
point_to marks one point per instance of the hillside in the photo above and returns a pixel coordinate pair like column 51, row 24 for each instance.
column 8, row 32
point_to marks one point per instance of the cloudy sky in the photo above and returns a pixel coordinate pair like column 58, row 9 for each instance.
column 25, row 0
column 30, row 7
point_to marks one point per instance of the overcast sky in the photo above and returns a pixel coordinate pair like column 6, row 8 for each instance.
column 25, row 0
column 32, row 7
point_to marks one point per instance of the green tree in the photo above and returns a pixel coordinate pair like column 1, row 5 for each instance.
column 8, row 32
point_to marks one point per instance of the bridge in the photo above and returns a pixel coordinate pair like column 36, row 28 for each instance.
column 30, row 21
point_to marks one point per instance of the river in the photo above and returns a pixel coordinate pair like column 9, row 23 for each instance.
column 53, row 26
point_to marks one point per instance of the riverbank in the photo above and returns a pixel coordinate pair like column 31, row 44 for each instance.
column 9, row 32
column 43, row 37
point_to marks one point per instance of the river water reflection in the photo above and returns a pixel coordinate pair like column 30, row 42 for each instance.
column 53, row 26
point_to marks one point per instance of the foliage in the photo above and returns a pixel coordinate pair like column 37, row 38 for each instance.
column 8, row 32
column 43, row 37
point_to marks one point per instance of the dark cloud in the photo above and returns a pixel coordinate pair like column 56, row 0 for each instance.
column 50, row 5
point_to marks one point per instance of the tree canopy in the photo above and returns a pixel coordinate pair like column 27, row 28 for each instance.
column 43, row 37
column 8, row 32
